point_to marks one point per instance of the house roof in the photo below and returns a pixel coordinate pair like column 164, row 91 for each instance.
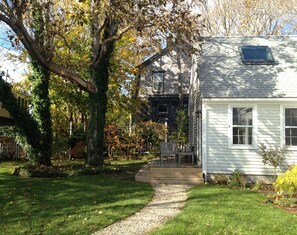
column 155, row 57
column 223, row 74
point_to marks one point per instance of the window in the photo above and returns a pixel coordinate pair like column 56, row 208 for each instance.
column 158, row 81
column 291, row 127
column 256, row 55
column 242, row 126
column 162, row 109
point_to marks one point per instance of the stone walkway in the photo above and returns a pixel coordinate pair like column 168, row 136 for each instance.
column 167, row 203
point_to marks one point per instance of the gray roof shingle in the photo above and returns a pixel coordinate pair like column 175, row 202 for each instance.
column 223, row 75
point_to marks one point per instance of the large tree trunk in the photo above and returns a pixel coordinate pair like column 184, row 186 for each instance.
column 41, row 111
column 98, row 108
column 103, row 48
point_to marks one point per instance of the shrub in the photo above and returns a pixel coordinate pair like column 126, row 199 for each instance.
column 146, row 136
column 272, row 156
column 282, row 200
column 286, row 201
column 220, row 179
column 259, row 185
column 39, row 171
column 237, row 179
column 287, row 182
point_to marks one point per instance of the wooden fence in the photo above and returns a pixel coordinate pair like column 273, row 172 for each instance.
column 9, row 149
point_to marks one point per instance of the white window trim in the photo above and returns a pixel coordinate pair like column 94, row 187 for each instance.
column 254, row 144
column 283, row 124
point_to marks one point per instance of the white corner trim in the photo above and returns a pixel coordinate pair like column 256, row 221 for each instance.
column 204, row 136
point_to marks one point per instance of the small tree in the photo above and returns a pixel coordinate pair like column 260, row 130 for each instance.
column 180, row 135
column 272, row 156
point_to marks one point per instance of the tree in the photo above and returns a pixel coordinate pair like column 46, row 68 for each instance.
column 38, row 140
column 26, row 129
column 40, row 89
column 249, row 17
column 273, row 156
column 180, row 135
column 105, row 23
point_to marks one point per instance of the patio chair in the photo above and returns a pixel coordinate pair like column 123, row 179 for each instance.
column 187, row 151
column 168, row 149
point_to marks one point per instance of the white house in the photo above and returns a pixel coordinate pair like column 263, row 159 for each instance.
column 243, row 92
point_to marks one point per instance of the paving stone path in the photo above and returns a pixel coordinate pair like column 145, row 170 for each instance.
column 166, row 203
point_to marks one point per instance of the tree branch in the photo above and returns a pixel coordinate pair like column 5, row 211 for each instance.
column 37, row 55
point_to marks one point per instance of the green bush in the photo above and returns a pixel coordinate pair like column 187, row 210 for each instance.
column 259, row 185
column 286, row 201
column 287, row 182
column 39, row 171
column 220, row 179
column 237, row 179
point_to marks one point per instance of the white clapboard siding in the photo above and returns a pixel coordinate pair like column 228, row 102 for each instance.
column 223, row 159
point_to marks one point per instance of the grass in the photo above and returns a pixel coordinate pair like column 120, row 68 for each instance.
column 73, row 205
column 216, row 210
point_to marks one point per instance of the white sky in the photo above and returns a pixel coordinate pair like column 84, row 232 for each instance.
column 15, row 69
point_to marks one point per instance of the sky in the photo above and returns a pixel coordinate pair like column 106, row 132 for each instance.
column 14, row 69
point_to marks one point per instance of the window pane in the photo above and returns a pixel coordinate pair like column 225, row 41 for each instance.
column 235, row 140
column 294, row 132
column 288, row 142
column 287, row 118
column 294, row 117
column 235, row 116
column 291, row 117
column 163, row 108
column 291, row 136
column 242, row 135
column 242, row 116
column 294, row 141
column 256, row 55
column 250, row 140
column 158, row 80
column 288, row 132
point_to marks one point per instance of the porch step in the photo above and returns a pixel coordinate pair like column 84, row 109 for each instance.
column 143, row 174
column 170, row 175
column 192, row 181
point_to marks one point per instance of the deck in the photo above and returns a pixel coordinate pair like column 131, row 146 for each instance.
column 170, row 172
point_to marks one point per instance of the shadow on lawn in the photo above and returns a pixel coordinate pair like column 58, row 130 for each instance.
column 27, row 200
column 216, row 210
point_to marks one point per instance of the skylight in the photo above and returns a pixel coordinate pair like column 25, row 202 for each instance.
column 256, row 55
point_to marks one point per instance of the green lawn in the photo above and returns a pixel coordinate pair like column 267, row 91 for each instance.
column 214, row 210
column 74, row 205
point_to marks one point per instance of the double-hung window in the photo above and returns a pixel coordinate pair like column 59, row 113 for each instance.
column 158, row 81
column 291, row 126
column 242, row 126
